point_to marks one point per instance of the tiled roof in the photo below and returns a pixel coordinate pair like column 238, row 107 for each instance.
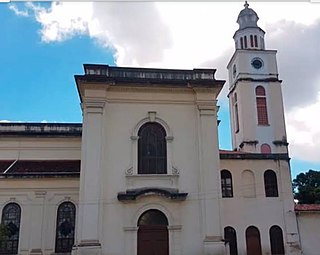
column 307, row 207
column 39, row 166
column 231, row 152
column 41, row 129
column 227, row 154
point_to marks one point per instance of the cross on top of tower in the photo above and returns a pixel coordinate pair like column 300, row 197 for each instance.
column 246, row 5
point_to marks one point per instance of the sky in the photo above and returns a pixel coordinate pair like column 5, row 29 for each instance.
column 44, row 44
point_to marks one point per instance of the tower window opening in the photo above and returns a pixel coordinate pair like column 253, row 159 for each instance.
column 265, row 148
column 261, row 101
column 241, row 42
column 261, row 43
column 255, row 41
column 236, row 112
column 251, row 41
column 245, row 42
column 270, row 184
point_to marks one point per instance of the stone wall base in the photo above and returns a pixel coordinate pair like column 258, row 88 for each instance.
column 214, row 246
column 87, row 247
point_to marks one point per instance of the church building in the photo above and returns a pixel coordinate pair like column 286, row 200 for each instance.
column 143, row 173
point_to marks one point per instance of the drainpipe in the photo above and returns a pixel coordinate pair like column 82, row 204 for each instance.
column 10, row 166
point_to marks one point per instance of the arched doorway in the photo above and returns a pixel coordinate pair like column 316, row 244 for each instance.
column 253, row 241
column 153, row 238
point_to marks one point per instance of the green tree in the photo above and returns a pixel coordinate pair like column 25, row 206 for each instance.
column 307, row 187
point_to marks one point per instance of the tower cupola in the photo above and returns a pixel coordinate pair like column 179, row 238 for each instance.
column 249, row 35
column 247, row 17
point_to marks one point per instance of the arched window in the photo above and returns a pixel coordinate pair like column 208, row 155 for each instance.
column 261, row 43
column 11, row 216
column 253, row 241
column 153, row 218
column 230, row 236
column 262, row 112
column 66, row 219
column 245, row 42
column 260, row 91
column 236, row 112
column 255, row 41
column 270, row 183
column 265, row 148
column 251, row 40
column 241, row 42
column 152, row 149
column 248, row 184
column 276, row 240
column 226, row 184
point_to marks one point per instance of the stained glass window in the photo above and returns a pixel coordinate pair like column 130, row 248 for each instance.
column 152, row 149
column 66, row 216
column 11, row 216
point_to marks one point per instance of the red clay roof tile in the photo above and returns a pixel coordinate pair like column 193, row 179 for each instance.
column 307, row 207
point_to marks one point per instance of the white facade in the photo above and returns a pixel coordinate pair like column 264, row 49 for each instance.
column 200, row 192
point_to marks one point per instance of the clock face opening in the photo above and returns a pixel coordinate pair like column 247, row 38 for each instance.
column 257, row 63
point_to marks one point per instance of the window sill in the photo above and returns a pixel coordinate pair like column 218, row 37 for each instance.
column 152, row 180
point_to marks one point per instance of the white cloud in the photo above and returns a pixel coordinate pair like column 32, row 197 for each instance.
column 298, row 55
column 133, row 30
column 18, row 12
column 303, row 129
column 62, row 20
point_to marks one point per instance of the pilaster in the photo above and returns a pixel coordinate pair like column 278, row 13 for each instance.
column 89, row 222
column 37, row 229
column 209, row 175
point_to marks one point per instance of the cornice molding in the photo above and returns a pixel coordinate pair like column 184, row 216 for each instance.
column 94, row 105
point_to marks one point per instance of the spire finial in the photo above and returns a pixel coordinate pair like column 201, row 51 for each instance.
column 246, row 5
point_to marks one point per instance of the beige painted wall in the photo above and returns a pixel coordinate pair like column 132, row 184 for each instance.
column 39, row 200
column 309, row 226
column 243, row 210
column 189, row 118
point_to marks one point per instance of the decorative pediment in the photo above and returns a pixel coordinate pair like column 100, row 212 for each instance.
column 133, row 194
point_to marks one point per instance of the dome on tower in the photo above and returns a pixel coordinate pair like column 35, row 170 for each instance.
column 247, row 17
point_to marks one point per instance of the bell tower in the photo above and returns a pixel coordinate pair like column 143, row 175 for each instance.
column 255, row 97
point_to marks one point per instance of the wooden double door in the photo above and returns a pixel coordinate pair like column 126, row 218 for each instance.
column 153, row 237
column 153, row 240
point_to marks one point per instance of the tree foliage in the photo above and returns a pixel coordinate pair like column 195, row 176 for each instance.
column 307, row 187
